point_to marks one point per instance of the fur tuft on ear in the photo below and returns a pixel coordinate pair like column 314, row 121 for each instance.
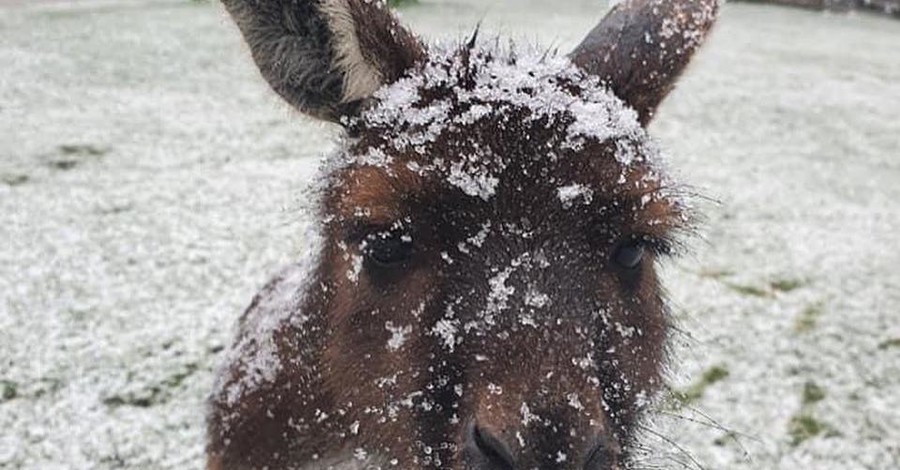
column 641, row 48
column 325, row 57
column 361, row 78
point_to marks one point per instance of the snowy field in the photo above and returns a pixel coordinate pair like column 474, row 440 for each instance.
column 150, row 183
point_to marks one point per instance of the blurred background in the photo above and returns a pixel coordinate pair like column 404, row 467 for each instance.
column 150, row 183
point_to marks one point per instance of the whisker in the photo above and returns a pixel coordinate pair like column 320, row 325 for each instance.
column 649, row 455
column 668, row 458
column 731, row 433
column 674, row 444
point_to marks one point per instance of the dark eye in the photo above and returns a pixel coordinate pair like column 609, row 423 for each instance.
column 388, row 249
column 630, row 254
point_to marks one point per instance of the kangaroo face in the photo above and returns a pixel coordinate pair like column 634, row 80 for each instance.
column 495, row 231
column 485, row 294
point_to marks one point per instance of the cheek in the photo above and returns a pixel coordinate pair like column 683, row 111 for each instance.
column 375, row 326
column 377, row 338
column 636, row 330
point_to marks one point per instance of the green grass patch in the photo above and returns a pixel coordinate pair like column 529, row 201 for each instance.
column 45, row 386
column 14, row 180
column 156, row 394
column 723, row 440
column 9, row 390
column 176, row 380
column 63, row 164
column 769, row 290
column 71, row 155
column 717, row 274
column 709, row 378
column 135, row 400
column 749, row 291
column 787, row 285
column 808, row 318
column 812, row 394
column 68, row 156
column 87, row 150
column 889, row 344
column 804, row 427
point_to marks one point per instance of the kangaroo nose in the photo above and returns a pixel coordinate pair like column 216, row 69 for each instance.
column 485, row 451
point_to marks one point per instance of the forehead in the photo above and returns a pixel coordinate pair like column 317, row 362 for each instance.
column 486, row 126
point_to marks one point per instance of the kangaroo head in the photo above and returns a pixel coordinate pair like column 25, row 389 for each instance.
column 484, row 293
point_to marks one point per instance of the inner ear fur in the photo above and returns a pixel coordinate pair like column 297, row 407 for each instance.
column 325, row 57
column 641, row 48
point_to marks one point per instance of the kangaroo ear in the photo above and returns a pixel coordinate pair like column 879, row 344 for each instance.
column 325, row 57
column 641, row 47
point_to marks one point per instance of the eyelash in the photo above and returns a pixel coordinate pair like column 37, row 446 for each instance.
column 661, row 246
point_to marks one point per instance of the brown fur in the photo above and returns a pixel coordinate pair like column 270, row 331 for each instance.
column 621, row 38
column 556, row 385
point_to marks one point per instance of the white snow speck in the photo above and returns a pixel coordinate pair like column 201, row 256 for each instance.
column 398, row 335
column 356, row 265
column 527, row 415
column 536, row 299
column 574, row 401
column 476, row 182
column 446, row 330
column 569, row 194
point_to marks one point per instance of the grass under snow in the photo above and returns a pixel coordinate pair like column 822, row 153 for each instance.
column 149, row 185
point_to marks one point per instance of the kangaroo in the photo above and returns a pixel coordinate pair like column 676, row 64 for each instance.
column 481, row 291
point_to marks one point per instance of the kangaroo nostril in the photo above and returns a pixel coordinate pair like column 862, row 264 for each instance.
column 489, row 451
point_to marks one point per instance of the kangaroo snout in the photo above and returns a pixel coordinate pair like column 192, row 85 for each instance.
column 512, row 430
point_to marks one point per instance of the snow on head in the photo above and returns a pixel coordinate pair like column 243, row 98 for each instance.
column 442, row 118
column 477, row 182
column 573, row 192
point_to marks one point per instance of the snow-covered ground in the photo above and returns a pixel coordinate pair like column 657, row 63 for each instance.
column 150, row 182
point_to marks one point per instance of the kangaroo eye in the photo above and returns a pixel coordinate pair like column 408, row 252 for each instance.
column 630, row 254
column 388, row 249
